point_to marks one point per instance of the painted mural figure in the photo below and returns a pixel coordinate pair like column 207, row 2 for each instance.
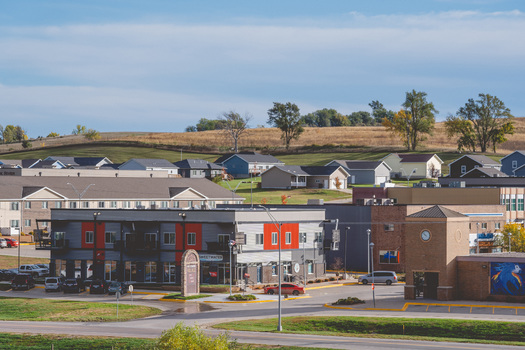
column 507, row 279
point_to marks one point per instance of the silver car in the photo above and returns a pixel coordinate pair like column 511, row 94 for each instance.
column 3, row 243
column 387, row 277
column 53, row 284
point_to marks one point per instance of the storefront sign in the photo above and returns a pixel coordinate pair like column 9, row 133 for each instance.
column 211, row 257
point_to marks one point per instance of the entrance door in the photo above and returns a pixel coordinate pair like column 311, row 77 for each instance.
column 259, row 273
column 431, row 284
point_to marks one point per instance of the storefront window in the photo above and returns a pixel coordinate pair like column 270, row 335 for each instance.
column 388, row 257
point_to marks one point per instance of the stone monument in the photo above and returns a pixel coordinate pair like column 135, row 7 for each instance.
column 190, row 279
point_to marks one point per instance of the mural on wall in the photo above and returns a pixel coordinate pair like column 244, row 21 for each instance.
column 507, row 279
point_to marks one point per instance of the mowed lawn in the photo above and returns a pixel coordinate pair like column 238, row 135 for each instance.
column 26, row 309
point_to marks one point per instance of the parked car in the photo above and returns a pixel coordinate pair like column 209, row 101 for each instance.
column 98, row 286
column 11, row 242
column 73, row 285
column 53, row 284
column 3, row 243
column 286, row 288
column 7, row 275
column 387, row 277
column 34, row 270
column 115, row 287
column 23, row 281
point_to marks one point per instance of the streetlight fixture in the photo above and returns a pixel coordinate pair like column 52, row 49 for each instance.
column 509, row 241
column 231, row 245
column 368, row 231
column 278, row 226
column 409, row 175
column 373, row 278
column 80, row 194
column 95, row 258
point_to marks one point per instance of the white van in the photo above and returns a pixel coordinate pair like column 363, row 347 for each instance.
column 387, row 277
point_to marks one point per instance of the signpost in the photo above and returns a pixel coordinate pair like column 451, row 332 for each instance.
column 130, row 288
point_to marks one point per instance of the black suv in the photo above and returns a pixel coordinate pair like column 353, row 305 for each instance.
column 98, row 286
column 73, row 285
column 23, row 281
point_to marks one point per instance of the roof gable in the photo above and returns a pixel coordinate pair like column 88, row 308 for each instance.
column 437, row 211
column 478, row 158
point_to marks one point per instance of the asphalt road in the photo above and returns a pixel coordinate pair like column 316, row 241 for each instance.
column 26, row 251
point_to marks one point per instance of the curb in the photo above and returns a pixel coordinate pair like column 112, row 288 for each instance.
column 406, row 305
column 252, row 301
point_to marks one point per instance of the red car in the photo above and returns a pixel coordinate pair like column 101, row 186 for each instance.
column 11, row 242
column 286, row 288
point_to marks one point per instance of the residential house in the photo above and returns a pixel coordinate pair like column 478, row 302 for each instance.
column 49, row 164
column 147, row 245
column 246, row 164
column 81, row 162
column 468, row 162
column 512, row 162
column 364, row 172
column 296, row 176
column 483, row 172
column 198, row 168
column 414, row 165
column 150, row 165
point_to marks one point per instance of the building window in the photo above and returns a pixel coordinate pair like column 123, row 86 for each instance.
column 110, row 237
column 310, row 267
column 101, row 204
column 175, row 204
column 463, row 169
column 138, row 204
column 514, row 164
column 318, row 237
column 45, row 205
column 15, row 223
column 484, row 225
column 192, row 238
column 274, row 270
column 126, row 204
column 164, row 204
column 190, row 204
column 85, row 204
column 520, row 204
column 72, row 205
column 507, row 204
column 302, row 237
column 44, row 224
column 169, row 238
column 150, row 269
column 388, row 257
column 89, row 237
column 58, row 204
column 27, row 205
column 14, row 206
column 212, row 204
column 274, row 238
column 497, row 225
column 113, row 204
column 27, row 222
column 259, row 238
column 288, row 237
column 389, row 227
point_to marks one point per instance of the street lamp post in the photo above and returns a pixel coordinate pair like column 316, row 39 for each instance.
column 373, row 278
column 368, row 231
column 231, row 245
column 509, row 241
column 278, row 226
column 304, row 259
column 346, row 242
column 80, row 194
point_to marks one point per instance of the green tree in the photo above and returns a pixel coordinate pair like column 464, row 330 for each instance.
column 517, row 237
column 462, row 128
column 414, row 121
column 80, row 130
column 53, row 134
column 234, row 125
column 379, row 112
column 91, row 134
column 489, row 121
column 287, row 118
column 13, row 133
column 191, row 128
column 360, row 118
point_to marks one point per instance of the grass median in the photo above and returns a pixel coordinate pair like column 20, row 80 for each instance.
column 26, row 309
column 403, row 328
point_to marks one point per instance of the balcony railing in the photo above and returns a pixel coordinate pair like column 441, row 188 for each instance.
column 217, row 246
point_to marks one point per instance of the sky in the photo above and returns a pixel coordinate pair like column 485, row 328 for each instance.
column 161, row 65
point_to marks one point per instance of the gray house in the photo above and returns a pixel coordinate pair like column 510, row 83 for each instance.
column 364, row 172
column 198, row 168
column 244, row 164
column 81, row 162
column 150, row 165
column 296, row 176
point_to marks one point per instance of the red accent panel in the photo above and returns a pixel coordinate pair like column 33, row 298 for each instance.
column 179, row 234
column 101, row 238
column 293, row 228
column 86, row 226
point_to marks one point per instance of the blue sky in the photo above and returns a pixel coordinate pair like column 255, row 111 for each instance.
column 130, row 65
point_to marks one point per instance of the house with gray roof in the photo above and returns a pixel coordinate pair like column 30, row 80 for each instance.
column 364, row 172
column 468, row 162
column 297, row 176
column 484, row 172
column 198, row 169
column 512, row 162
column 150, row 165
column 414, row 165
column 81, row 162
column 246, row 164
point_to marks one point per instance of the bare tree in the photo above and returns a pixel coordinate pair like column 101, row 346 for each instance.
column 234, row 125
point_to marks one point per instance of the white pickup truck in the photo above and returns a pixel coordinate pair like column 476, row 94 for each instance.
column 34, row 270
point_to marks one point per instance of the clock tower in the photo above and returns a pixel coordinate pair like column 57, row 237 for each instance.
column 433, row 239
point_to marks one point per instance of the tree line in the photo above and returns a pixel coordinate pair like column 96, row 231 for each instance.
column 481, row 124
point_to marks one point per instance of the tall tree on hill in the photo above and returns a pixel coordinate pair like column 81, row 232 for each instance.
column 286, row 117
column 485, row 121
column 12, row 133
column 379, row 112
column 234, row 125
column 414, row 121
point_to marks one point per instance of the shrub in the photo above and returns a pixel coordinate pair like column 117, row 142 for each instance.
column 332, row 278
column 238, row 297
column 317, row 281
column 191, row 338
column 349, row 301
